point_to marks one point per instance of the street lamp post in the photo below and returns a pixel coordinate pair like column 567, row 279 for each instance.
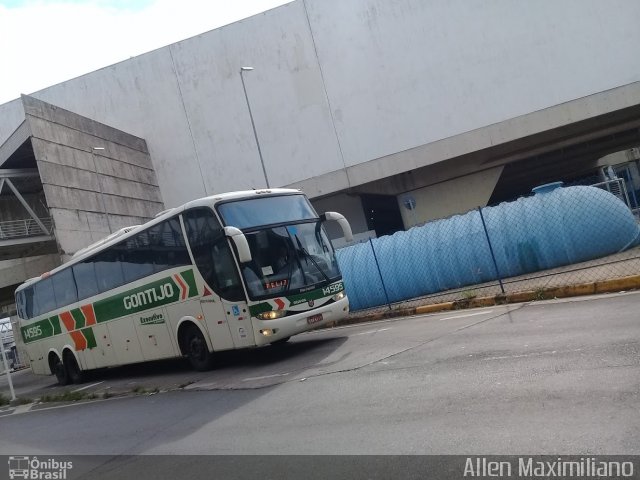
column 253, row 125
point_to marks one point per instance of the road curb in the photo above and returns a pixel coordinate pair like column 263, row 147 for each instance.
column 631, row 282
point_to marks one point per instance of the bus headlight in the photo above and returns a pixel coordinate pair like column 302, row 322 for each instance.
column 339, row 296
column 272, row 315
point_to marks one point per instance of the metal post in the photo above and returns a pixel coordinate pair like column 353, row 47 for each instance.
column 384, row 288
column 253, row 125
column 6, row 368
column 493, row 257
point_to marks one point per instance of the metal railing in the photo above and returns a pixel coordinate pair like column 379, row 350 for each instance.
column 617, row 187
column 27, row 227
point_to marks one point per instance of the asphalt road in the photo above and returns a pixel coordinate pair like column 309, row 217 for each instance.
column 558, row 377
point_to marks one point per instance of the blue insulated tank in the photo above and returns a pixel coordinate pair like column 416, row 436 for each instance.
column 554, row 227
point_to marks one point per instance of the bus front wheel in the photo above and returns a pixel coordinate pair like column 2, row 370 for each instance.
column 197, row 351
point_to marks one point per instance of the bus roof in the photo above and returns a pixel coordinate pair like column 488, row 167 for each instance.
column 200, row 202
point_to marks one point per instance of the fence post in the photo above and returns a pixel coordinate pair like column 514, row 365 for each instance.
column 493, row 257
column 384, row 288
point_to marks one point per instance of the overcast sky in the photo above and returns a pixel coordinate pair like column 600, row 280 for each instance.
column 45, row 42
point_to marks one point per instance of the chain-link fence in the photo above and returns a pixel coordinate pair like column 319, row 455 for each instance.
column 556, row 237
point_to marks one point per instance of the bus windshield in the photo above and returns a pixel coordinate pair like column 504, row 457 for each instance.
column 260, row 211
column 292, row 254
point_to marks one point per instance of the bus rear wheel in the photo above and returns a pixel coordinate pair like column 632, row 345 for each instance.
column 197, row 351
column 58, row 369
column 74, row 373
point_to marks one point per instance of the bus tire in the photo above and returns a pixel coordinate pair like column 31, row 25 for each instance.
column 197, row 351
column 74, row 373
column 58, row 369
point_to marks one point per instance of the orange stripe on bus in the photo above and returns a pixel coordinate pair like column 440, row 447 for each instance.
column 89, row 314
column 79, row 340
column 69, row 322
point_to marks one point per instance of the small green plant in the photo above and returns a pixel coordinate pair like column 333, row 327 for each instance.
column 66, row 396
column 540, row 294
column 3, row 400
column 140, row 390
column 106, row 395
column 24, row 400
column 469, row 294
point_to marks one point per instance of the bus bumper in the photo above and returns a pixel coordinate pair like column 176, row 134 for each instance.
column 269, row 331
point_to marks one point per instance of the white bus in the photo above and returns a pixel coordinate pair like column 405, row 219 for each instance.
column 230, row 271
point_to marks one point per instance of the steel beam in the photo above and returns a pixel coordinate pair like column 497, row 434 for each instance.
column 18, row 172
column 26, row 206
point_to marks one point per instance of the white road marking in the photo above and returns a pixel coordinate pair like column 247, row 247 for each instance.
column 23, row 408
column 87, row 386
column 467, row 315
column 371, row 331
column 265, row 376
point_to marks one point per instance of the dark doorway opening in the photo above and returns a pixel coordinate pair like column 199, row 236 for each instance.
column 383, row 214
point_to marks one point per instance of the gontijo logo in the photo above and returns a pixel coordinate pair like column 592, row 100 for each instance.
column 149, row 296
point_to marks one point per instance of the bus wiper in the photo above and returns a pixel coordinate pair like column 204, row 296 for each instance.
column 310, row 257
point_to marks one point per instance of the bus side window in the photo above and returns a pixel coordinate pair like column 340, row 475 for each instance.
column 46, row 297
column 167, row 245
column 29, row 303
column 212, row 254
column 21, row 304
column 64, row 288
column 136, row 257
column 108, row 270
column 86, row 281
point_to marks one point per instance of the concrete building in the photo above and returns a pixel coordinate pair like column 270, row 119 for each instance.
column 393, row 112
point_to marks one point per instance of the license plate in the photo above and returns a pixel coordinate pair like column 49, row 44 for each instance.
column 314, row 319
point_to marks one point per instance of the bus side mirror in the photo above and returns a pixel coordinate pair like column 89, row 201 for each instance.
column 343, row 222
column 240, row 241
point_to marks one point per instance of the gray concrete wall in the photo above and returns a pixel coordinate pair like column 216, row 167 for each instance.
column 89, row 192
column 11, row 116
column 348, row 205
column 448, row 198
column 16, row 271
column 348, row 92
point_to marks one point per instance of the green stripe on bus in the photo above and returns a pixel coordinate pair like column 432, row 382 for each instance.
column 298, row 299
column 78, row 317
column 91, row 338
column 55, row 324
column 190, row 279
column 260, row 308
column 152, row 295
column 315, row 294
column 36, row 331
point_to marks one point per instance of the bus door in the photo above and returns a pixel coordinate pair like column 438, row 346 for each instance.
column 239, row 321
column 223, row 300
column 228, row 321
